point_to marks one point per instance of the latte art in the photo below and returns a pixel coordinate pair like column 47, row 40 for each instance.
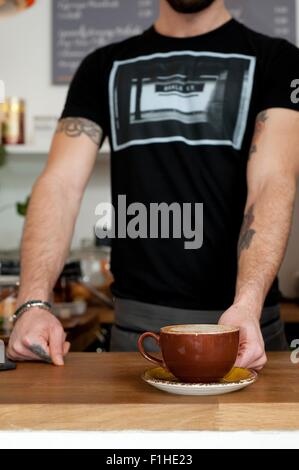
column 198, row 329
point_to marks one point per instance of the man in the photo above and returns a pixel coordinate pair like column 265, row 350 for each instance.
column 197, row 109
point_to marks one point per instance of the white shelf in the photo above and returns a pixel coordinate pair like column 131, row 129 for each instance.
column 26, row 149
column 32, row 150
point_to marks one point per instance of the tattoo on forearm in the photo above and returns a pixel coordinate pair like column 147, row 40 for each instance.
column 247, row 232
column 75, row 127
column 259, row 127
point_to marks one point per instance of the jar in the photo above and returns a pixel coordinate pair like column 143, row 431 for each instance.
column 9, row 286
column 13, row 126
column 95, row 262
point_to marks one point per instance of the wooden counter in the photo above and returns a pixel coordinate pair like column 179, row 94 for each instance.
column 105, row 392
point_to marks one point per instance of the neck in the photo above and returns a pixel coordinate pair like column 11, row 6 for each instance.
column 181, row 25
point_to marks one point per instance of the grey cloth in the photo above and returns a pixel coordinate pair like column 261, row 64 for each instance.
column 134, row 318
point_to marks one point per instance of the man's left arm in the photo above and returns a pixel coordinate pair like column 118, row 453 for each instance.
column 273, row 168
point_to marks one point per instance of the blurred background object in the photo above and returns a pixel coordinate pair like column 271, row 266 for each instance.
column 10, row 7
column 8, row 298
column 13, row 121
column 81, row 297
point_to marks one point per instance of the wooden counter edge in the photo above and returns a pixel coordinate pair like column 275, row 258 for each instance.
column 155, row 417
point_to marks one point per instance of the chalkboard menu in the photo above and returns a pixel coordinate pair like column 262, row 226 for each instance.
column 272, row 17
column 80, row 26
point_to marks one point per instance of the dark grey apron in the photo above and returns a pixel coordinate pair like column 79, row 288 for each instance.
column 134, row 318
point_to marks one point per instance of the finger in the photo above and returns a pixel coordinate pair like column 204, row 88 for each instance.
column 249, row 358
column 259, row 364
column 29, row 341
column 13, row 356
column 10, row 353
column 37, row 346
column 245, row 357
column 18, row 352
column 66, row 348
column 40, row 352
column 57, row 346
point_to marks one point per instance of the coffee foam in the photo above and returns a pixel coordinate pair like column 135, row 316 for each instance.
column 198, row 329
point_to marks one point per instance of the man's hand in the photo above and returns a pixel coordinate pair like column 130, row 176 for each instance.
column 38, row 328
column 251, row 347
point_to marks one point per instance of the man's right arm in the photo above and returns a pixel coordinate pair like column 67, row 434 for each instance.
column 53, row 209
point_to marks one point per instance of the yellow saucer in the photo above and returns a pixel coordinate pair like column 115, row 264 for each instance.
column 164, row 380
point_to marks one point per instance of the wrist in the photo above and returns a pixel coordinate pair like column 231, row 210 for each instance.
column 27, row 296
column 251, row 301
column 30, row 305
column 251, row 290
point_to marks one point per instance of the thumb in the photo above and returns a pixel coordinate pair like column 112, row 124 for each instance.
column 66, row 348
column 56, row 345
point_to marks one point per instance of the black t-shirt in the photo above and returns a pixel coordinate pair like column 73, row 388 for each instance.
column 180, row 116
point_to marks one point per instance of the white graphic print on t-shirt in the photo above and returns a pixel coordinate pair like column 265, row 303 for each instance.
column 200, row 98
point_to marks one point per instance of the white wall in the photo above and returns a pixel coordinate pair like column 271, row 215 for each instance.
column 25, row 66
column 16, row 180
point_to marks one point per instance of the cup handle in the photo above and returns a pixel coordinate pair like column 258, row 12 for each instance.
column 146, row 355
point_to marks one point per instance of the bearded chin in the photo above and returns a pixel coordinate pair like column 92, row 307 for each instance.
column 189, row 6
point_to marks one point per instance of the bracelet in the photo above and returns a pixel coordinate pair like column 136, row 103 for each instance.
column 31, row 304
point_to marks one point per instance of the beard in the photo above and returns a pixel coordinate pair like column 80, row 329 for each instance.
column 189, row 6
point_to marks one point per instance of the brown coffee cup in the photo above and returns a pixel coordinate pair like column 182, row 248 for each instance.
column 195, row 353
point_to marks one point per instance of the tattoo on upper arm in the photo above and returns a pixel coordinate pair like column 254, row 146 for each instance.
column 75, row 127
column 247, row 232
column 259, row 127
